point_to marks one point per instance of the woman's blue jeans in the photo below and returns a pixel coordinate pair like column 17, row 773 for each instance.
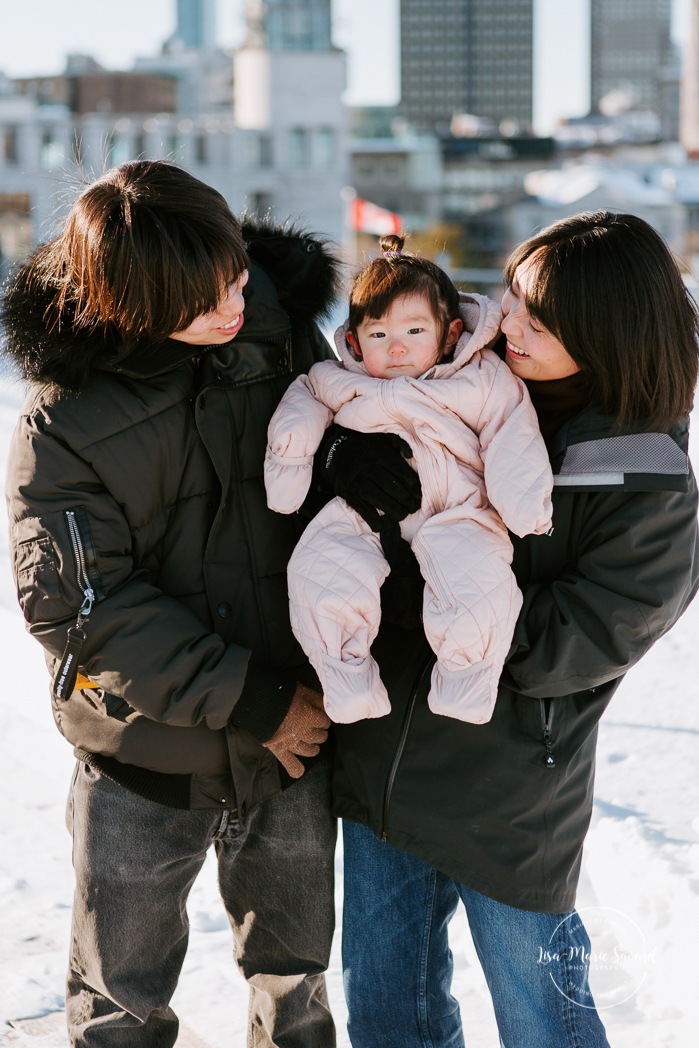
column 398, row 966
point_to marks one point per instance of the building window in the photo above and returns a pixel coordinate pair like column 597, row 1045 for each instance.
column 76, row 148
column 139, row 145
column 391, row 170
column 15, row 227
column 298, row 147
column 117, row 151
column 175, row 148
column 266, row 151
column 325, row 148
column 8, row 143
column 257, row 150
column 50, row 151
column 259, row 204
column 201, row 149
column 250, row 149
column 365, row 169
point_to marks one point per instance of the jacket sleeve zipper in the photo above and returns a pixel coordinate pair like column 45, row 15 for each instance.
column 547, row 710
column 66, row 675
column 401, row 746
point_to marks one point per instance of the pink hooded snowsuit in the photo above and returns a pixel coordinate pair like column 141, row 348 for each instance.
column 483, row 467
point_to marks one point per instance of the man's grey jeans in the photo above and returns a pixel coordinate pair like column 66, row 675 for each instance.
column 135, row 862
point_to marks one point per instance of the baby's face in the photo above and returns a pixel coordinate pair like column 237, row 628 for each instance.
column 404, row 341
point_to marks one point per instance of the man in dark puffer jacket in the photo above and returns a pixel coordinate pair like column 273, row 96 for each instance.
column 158, row 337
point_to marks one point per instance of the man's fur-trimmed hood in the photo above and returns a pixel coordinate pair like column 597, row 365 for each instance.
column 301, row 266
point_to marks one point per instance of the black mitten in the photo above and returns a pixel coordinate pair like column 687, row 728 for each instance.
column 402, row 592
column 369, row 471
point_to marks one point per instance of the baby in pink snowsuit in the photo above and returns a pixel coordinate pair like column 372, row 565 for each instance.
column 414, row 361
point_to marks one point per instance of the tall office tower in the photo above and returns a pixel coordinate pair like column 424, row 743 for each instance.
column 196, row 23
column 466, row 56
column 288, row 25
column 689, row 116
column 629, row 47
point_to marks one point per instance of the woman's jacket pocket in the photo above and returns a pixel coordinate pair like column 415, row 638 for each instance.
column 539, row 720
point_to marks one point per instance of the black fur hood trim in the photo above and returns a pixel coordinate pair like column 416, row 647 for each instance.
column 302, row 266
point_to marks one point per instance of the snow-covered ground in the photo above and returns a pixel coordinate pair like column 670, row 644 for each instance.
column 639, row 892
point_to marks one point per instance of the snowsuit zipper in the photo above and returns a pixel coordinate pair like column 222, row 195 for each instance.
column 66, row 675
column 401, row 746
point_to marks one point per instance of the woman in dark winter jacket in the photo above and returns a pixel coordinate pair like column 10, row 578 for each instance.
column 158, row 337
column 598, row 324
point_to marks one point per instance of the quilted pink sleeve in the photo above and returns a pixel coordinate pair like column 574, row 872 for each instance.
column 294, row 433
column 518, row 476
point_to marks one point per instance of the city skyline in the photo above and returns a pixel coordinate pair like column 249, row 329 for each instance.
column 561, row 74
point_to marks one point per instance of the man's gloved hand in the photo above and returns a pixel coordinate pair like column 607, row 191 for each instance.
column 402, row 592
column 302, row 731
column 369, row 471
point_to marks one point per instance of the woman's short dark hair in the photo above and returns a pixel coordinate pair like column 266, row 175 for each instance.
column 396, row 273
column 607, row 286
column 145, row 249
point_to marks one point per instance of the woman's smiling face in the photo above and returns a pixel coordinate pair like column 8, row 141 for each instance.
column 532, row 351
column 221, row 325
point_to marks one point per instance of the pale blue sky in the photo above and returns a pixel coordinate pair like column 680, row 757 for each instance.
column 37, row 34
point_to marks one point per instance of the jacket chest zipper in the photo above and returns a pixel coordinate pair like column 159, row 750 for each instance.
column 400, row 747
column 66, row 675
column 547, row 709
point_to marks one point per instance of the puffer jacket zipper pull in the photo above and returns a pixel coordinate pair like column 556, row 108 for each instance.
column 547, row 707
column 67, row 673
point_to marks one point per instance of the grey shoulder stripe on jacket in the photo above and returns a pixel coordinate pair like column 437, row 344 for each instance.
column 615, row 461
